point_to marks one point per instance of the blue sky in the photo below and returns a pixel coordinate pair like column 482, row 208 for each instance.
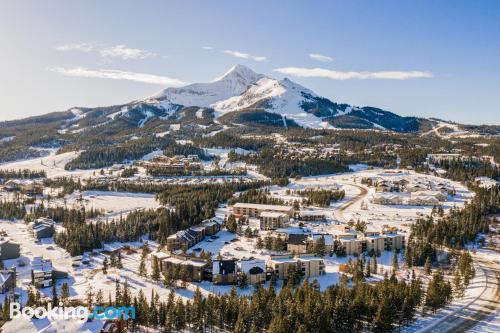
column 423, row 58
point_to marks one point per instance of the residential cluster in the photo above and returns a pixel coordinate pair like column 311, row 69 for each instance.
column 184, row 239
column 27, row 186
column 174, row 163
column 42, row 227
column 233, row 271
column 403, row 192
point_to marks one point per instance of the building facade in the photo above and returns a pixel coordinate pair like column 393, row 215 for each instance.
column 254, row 210
column 272, row 220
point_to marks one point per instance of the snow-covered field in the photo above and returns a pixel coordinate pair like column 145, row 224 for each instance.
column 52, row 164
column 113, row 203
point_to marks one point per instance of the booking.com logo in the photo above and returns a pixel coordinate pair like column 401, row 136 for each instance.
column 79, row 312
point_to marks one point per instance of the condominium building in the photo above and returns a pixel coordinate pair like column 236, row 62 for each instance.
column 310, row 266
column 254, row 210
column 9, row 249
column 272, row 220
column 41, row 272
column 187, row 268
column 224, row 271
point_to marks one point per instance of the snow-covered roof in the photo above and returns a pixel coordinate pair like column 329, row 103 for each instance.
column 263, row 207
column 312, row 213
column 272, row 214
column 160, row 255
column 281, row 260
column 246, row 265
column 309, row 258
column 293, row 230
column 328, row 238
column 187, row 262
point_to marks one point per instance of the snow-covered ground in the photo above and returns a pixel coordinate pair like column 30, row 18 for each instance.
column 53, row 164
column 113, row 203
column 480, row 295
column 227, row 244
column 400, row 216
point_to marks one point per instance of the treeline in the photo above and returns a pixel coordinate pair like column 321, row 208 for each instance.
column 157, row 171
column 192, row 205
column 467, row 170
column 206, row 196
column 322, row 198
column 129, row 172
column 257, row 196
column 460, row 226
column 80, row 236
column 12, row 209
column 123, row 186
column 68, row 184
column 22, row 174
column 64, row 215
column 228, row 139
column 275, row 166
column 382, row 307
column 104, row 156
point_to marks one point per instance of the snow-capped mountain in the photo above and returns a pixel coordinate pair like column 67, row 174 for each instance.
column 240, row 96
column 242, row 90
column 234, row 82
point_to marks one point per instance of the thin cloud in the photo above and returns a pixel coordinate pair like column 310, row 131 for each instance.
column 208, row 48
column 320, row 57
column 84, row 47
column 108, row 52
column 336, row 75
column 118, row 75
column 124, row 52
column 242, row 55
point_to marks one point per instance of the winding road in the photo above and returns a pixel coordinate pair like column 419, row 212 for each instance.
column 478, row 309
column 339, row 212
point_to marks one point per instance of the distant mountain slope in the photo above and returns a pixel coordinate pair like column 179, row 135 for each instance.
column 239, row 97
column 242, row 90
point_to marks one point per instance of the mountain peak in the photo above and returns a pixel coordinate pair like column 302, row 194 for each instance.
column 240, row 72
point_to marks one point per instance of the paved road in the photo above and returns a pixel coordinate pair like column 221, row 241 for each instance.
column 488, row 302
column 339, row 213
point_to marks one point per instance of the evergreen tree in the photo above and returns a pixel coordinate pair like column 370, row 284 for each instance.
column 248, row 232
column 118, row 293
column 105, row 266
column 6, row 309
column 259, row 243
column 458, row 285
column 99, row 298
column 155, row 275
column 55, row 298
column 231, row 224
column 64, row 293
column 395, row 262
column 89, row 296
column 142, row 267
column 119, row 264
column 243, row 281
column 428, row 266
column 320, row 247
column 383, row 321
column 439, row 292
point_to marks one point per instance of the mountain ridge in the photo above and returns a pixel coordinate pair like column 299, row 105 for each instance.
column 238, row 97
column 242, row 89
